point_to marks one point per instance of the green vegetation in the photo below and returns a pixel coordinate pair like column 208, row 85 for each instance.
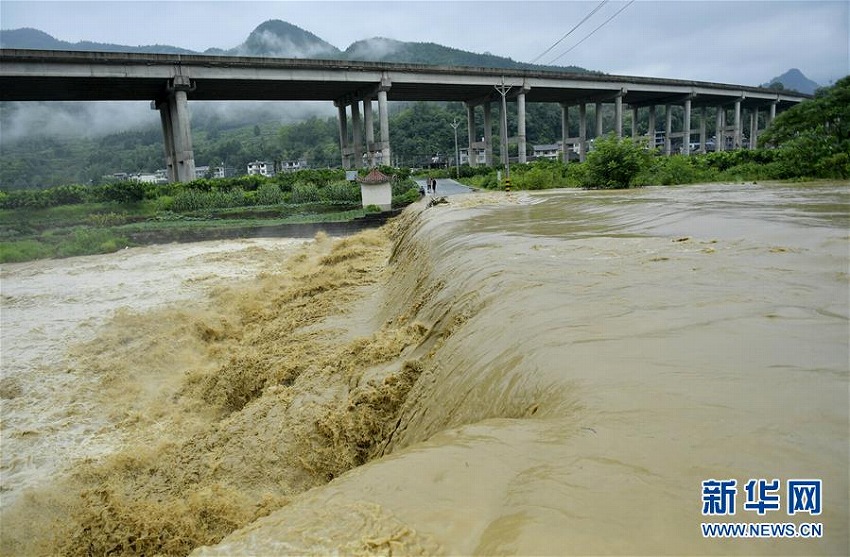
column 77, row 220
column 623, row 164
column 809, row 141
column 616, row 163
column 813, row 138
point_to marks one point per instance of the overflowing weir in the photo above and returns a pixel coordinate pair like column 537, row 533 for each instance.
column 555, row 373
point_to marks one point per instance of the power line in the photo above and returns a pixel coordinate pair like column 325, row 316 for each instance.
column 591, row 33
column 576, row 26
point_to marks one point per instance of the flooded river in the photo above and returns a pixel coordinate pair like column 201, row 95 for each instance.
column 565, row 372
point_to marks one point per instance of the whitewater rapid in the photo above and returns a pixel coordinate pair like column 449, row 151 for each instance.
column 550, row 373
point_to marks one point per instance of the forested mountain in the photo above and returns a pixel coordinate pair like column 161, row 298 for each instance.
column 284, row 40
column 793, row 80
column 280, row 39
column 379, row 49
column 39, row 40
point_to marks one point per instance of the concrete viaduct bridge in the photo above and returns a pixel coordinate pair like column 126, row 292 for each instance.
column 169, row 81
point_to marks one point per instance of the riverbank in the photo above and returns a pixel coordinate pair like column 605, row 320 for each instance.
column 87, row 230
column 542, row 373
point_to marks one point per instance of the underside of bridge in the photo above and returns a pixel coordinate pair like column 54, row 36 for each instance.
column 170, row 81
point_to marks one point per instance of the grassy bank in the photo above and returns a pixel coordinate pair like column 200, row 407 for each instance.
column 623, row 163
column 80, row 220
column 25, row 239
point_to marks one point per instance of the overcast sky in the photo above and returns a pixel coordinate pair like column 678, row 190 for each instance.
column 728, row 41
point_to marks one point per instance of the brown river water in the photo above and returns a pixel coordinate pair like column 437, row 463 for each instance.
column 554, row 373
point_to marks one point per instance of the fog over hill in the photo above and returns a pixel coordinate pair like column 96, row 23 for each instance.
column 273, row 38
column 280, row 39
column 276, row 38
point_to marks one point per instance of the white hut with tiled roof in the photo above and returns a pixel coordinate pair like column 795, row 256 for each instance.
column 375, row 189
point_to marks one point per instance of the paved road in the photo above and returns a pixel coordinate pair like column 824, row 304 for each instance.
column 447, row 186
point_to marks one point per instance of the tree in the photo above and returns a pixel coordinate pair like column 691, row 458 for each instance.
column 616, row 163
column 813, row 137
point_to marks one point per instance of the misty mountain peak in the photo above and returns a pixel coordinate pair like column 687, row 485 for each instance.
column 28, row 38
column 794, row 80
column 276, row 38
column 281, row 39
column 376, row 48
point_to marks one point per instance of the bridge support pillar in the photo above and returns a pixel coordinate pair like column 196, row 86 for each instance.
column 184, row 155
column 565, row 132
column 754, row 128
column 668, row 129
column 582, row 132
column 618, row 116
column 737, row 137
column 167, row 137
column 634, row 123
column 357, row 134
column 368, row 121
column 343, row 136
column 176, row 132
column 598, row 120
column 470, row 134
column 719, row 136
column 702, row 118
column 650, row 131
column 384, row 117
column 521, row 146
column 488, row 135
column 686, row 129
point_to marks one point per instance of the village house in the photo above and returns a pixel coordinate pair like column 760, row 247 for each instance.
column 262, row 168
column 548, row 151
column 478, row 152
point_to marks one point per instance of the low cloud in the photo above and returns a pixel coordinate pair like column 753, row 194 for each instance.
column 67, row 120
column 267, row 43
column 63, row 120
column 373, row 49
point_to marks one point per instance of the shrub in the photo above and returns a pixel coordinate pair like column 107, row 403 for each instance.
column 538, row 175
column 86, row 241
column 122, row 192
column 164, row 203
column 406, row 198
column 304, row 193
column 102, row 220
column 268, row 194
column 615, row 163
column 812, row 153
column 68, row 195
column 400, row 187
column 24, row 250
column 341, row 191
column 190, row 200
column 675, row 169
column 836, row 165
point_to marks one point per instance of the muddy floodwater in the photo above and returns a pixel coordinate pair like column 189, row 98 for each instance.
column 559, row 373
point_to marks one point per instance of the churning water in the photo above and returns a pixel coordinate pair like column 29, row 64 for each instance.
column 555, row 373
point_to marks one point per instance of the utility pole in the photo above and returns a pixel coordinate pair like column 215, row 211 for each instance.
column 454, row 125
column 503, row 90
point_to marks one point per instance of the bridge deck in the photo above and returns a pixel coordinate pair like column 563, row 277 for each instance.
column 30, row 75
